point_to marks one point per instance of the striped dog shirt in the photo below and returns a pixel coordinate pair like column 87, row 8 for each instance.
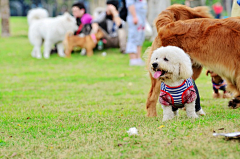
column 177, row 96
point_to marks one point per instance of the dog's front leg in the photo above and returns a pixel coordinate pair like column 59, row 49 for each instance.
column 60, row 49
column 190, row 109
column 167, row 113
column 89, row 52
column 197, row 69
column 152, row 97
column 37, row 52
column 47, row 49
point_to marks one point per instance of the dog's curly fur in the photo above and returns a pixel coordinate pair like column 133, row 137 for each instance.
column 175, row 67
column 166, row 18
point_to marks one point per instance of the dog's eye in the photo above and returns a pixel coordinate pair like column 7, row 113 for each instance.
column 156, row 58
column 165, row 59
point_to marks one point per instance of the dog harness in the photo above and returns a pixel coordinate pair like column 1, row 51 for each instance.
column 219, row 85
column 177, row 96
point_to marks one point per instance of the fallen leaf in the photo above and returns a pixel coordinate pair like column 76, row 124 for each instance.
column 221, row 129
column 28, row 117
column 19, row 125
column 122, row 75
column 43, row 106
column 162, row 126
column 14, row 154
column 119, row 145
column 10, row 136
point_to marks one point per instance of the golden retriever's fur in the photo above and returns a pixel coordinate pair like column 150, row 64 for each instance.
column 212, row 43
column 86, row 42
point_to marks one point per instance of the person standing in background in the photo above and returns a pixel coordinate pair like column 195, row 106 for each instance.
column 137, row 12
column 217, row 8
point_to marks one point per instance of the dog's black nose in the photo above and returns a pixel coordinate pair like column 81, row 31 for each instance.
column 155, row 65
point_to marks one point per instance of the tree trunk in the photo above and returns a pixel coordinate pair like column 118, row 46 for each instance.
column 228, row 4
column 154, row 8
column 5, row 14
column 195, row 3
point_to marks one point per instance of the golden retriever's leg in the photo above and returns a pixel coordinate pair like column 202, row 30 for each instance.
column 68, row 52
column 89, row 52
column 68, row 48
column 153, row 97
column 235, row 102
column 197, row 69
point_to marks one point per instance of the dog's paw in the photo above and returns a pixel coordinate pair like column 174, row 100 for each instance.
column 167, row 117
column 192, row 115
column 62, row 55
column 227, row 95
column 46, row 56
column 175, row 113
column 234, row 103
column 216, row 95
column 201, row 112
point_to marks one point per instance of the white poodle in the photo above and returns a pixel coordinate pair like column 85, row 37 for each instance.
column 173, row 67
column 50, row 31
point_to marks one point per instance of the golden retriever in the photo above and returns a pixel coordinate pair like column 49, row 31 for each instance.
column 212, row 43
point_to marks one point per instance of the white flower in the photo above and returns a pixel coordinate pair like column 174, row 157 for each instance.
column 132, row 131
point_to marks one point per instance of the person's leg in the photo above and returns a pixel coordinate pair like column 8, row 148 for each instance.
column 122, row 38
column 139, row 55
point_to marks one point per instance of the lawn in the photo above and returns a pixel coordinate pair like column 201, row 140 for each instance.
column 82, row 107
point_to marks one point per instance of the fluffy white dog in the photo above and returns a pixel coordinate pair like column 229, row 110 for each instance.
column 173, row 67
column 50, row 31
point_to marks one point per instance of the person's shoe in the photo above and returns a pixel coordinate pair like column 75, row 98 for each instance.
column 141, row 62
column 133, row 62
column 83, row 52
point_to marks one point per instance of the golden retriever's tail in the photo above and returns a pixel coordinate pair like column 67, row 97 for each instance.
column 181, row 12
column 146, row 57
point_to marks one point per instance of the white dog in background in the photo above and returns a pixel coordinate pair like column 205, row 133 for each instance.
column 173, row 67
column 50, row 31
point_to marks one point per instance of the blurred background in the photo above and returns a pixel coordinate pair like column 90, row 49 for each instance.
column 56, row 7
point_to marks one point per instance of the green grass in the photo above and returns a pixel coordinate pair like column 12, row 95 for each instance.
column 82, row 107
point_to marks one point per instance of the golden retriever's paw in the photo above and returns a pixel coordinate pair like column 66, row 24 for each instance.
column 216, row 95
column 234, row 103
column 227, row 95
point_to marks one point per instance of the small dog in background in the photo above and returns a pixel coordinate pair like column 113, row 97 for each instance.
column 88, row 42
column 173, row 67
column 218, row 84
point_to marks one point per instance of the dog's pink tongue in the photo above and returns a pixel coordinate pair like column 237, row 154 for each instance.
column 157, row 74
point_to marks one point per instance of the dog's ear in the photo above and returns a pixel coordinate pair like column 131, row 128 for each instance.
column 185, row 70
column 68, row 16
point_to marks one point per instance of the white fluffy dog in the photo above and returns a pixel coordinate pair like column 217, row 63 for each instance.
column 50, row 31
column 173, row 67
